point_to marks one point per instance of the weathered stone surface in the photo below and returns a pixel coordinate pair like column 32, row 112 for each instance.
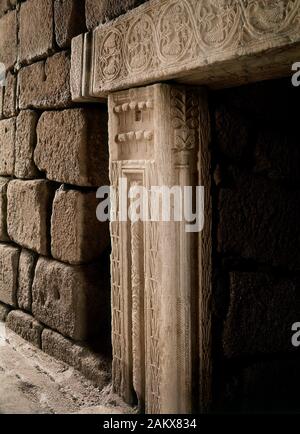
column 26, row 326
column 94, row 366
column 4, row 310
column 76, row 234
column 69, row 18
column 262, row 310
column 100, row 11
column 7, row 146
column 3, row 209
column 27, row 263
column 69, row 298
column 4, row 7
column 46, row 84
column 8, row 39
column 25, row 144
column 256, row 217
column 35, row 30
column 28, row 207
column 1, row 101
column 9, row 99
column 9, row 259
column 72, row 146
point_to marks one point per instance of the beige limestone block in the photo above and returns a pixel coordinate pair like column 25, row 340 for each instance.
column 68, row 298
column 72, row 146
column 27, row 263
column 76, row 234
column 25, row 144
column 28, row 207
column 26, row 326
column 8, row 39
column 94, row 366
column 9, row 100
column 35, row 30
column 69, row 18
column 9, row 258
column 7, row 146
column 45, row 84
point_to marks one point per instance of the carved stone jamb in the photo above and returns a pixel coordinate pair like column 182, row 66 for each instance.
column 216, row 43
column 155, row 136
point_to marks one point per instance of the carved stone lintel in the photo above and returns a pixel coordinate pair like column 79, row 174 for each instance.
column 155, row 286
column 211, row 42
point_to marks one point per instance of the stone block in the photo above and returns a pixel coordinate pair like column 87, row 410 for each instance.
column 9, row 98
column 28, row 209
column 93, row 366
column 8, row 39
column 35, row 30
column 76, row 234
column 69, row 299
column 27, row 264
column 7, row 146
column 9, row 259
column 3, row 209
column 69, row 18
column 259, row 221
column 26, row 326
column 98, row 12
column 72, row 146
column 4, row 310
column 25, row 143
column 46, row 84
column 262, row 309
column 4, row 7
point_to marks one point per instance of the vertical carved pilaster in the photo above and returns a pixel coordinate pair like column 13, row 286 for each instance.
column 154, row 141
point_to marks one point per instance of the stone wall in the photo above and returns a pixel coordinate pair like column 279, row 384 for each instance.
column 256, row 159
column 54, row 254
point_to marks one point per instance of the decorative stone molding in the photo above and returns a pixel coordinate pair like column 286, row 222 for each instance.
column 157, row 303
column 211, row 42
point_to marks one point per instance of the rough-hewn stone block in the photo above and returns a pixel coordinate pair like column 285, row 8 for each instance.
column 68, row 298
column 25, row 144
column 9, row 99
column 8, row 39
column 256, row 216
column 9, row 259
column 46, row 84
column 100, row 11
column 4, row 7
column 94, row 366
column 262, row 310
column 4, row 310
column 69, row 17
column 35, row 30
column 27, row 263
column 76, row 234
column 7, row 146
column 26, row 326
column 3, row 209
column 28, row 207
column 72, row 146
